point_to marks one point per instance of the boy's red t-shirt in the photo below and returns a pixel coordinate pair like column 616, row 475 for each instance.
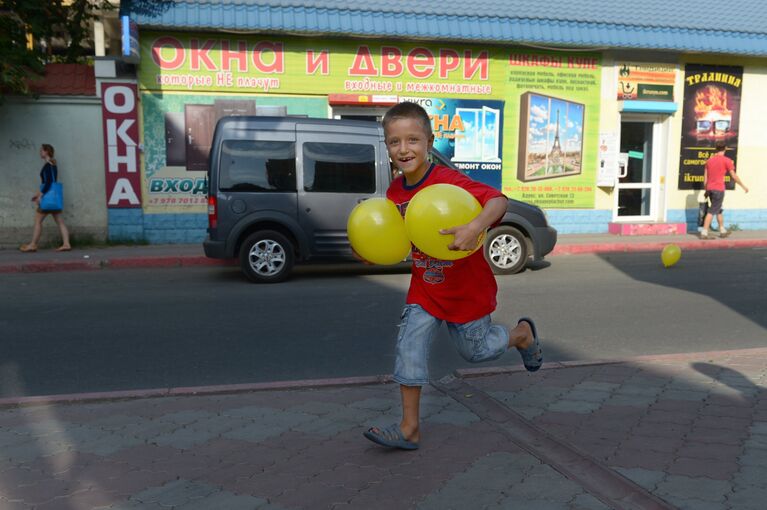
column 453, row 290
column 716, row 167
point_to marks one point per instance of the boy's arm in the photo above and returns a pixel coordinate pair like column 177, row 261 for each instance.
column 467, row 236
column 734, row 175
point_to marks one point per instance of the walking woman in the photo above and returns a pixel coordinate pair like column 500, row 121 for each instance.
column 48, row 175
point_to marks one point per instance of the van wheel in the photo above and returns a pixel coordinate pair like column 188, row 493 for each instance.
column 266, row 257
column 506, row 250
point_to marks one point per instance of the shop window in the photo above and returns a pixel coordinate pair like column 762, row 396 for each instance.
column 339, row 167
column 248, row 165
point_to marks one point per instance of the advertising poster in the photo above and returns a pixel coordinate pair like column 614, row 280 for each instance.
column 711, row 113
column 178, row 131
column 554, row 124
column 524, row 121
column 645, row 81
column 609, row 164
column 468, row 132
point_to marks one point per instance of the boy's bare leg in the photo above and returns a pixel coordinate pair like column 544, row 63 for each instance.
column 411, row 405
column 521, row 336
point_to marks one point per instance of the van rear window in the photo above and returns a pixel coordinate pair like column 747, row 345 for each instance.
column 339, row 167
column 249, row 165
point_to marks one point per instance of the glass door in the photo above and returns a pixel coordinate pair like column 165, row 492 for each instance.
column 636, row 187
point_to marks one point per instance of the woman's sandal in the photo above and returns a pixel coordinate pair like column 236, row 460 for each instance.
column 390, row 436
column 532, row 357
column 64, row 248
column 26, row 249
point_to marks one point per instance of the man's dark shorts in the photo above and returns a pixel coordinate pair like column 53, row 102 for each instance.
column 716, row 197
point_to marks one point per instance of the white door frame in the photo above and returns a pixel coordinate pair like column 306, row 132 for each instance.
column 658, row 166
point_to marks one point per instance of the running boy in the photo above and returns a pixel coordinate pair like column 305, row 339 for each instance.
column 461, row 292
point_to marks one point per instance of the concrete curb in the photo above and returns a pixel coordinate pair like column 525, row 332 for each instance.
column 150, row 261
column 173, row 261
column 303, row 384
column 185, row 391
column 714, row 244
column 114, row 263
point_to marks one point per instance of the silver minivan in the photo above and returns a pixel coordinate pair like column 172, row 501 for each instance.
column 280, row 190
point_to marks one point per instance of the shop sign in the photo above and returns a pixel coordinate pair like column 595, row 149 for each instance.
column 646, row 81
column 120, row 125
column 203, row 62
column 711, row 113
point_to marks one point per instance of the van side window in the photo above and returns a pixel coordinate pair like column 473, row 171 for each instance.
column 249, row 165
column 339, row 167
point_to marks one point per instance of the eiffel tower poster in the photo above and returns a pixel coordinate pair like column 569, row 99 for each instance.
column 550, row 137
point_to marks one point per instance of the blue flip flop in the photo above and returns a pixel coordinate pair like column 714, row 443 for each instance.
column 532, row 357
column 391, row 437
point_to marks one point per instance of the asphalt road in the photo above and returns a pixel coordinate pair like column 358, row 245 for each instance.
column 127, row 329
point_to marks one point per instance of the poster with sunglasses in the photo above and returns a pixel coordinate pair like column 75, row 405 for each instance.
column 711, row 113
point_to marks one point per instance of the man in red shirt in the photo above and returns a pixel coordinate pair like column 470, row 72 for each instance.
column 716, row 167
column 460, row 292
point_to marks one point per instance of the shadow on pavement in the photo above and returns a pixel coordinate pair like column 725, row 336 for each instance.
column 735, row 278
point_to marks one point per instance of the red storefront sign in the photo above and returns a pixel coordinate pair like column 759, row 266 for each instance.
column 120, row 114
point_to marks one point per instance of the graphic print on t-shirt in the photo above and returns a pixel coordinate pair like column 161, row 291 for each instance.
column 434, row 269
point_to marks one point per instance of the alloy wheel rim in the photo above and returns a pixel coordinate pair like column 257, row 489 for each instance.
column 267, row 257
column 505, row 251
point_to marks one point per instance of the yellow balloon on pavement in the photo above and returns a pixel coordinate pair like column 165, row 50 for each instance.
column 670, row 255
column 376, row 231
column 438, row 207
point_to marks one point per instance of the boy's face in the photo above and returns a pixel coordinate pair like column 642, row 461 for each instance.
column 409, row 144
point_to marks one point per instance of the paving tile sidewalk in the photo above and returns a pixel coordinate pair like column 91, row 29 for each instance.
column 690, row 430
column 185, row 255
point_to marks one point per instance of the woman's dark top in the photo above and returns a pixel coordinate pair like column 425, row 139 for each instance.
column 48, row 175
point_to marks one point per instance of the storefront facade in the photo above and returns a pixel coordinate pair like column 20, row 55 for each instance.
column 600, row 140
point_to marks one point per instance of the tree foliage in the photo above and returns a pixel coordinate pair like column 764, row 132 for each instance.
column 41, row 22
column 76, row 27
column 20, row 19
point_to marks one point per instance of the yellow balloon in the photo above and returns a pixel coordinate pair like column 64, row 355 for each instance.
column 376, row 231
column 438, row 207
column 670, row 255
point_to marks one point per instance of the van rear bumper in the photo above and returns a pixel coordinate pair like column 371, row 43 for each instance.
column 547, row 239
column 215, row 249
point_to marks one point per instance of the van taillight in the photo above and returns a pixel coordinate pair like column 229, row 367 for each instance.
column 212, row 212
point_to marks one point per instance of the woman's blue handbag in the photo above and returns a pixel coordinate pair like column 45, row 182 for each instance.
column 53, row 199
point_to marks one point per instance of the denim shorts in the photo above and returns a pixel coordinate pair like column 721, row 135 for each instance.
column 476, row 341
column 717, row 199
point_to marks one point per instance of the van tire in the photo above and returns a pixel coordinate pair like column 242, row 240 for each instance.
column 506, row 250
column 267, row 256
